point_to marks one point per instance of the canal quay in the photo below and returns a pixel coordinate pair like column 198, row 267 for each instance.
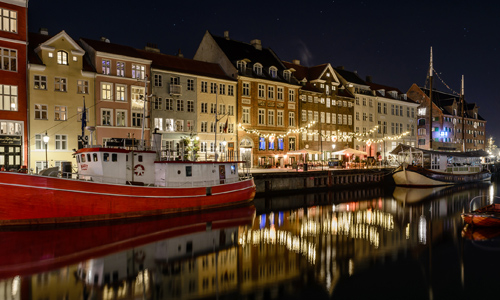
column 364, row 241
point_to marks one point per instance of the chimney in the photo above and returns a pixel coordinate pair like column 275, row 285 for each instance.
column 226, row 35
column 369, row 79
column 257, row 44
column 179, row 54
column 150, row 47
column 104, row 39
column 296, row 62
column 44, row 31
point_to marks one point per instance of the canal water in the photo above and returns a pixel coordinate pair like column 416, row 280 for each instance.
column 373, row 243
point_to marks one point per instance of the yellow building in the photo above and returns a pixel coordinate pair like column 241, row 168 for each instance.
column 59, row 79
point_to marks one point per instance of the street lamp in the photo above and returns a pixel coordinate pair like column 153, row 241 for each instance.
column 46, row 141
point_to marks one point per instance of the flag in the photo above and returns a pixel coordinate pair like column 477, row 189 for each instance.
column 225, row 126
column 84, row 118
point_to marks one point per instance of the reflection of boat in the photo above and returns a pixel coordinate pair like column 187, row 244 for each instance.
column 485, row 216
column 115, row 183
column 28, row 251
column 425, row 168
column 480, row 233
column 413, row 195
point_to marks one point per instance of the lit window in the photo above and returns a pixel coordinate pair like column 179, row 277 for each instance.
column 8, row 20
column 8, row 97
column 138, row 71
column 60, row 84
column 40, row 82
column 82, row 87
column 60, row 113
column 8, row 59
column 41, row 111
column 62, row 57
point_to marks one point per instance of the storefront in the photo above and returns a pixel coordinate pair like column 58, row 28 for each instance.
column 11, row 145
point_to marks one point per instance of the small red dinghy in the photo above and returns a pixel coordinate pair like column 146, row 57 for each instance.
column 484, row 216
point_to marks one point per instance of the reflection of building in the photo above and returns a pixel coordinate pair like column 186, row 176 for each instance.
column 13, row 104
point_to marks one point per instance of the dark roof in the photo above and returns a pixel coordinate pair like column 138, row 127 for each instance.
column 184, row 65
column 235, row 51
column 444, row 101
column 113, row 48
column 35, row 39
column 350, row 76
column 309, row 73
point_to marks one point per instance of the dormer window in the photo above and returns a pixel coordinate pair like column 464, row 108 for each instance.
column 241, row 65
column 62, row 57
column 475, row 115
column 287, row 74
column 257, row 68
column 273, row 71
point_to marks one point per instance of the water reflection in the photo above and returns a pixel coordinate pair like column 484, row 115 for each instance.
column 390, row 241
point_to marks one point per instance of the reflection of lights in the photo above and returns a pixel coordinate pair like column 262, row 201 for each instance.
column 408, row 231
column 492, row 194
column 422, row 230
column 15, row 285
column 351, row 267
column 262, row 221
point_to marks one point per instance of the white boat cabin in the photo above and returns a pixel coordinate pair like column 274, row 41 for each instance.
column 120, row 166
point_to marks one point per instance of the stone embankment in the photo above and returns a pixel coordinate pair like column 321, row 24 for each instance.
column 291, row 181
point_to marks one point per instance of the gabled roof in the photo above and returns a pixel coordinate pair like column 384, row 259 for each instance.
column 184, row 65
column 444, row 101
column 236, row 51
column 111, row 48
column 349, row 76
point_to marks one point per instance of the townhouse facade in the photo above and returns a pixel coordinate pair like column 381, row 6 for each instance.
column 266, row 99
column 194, row 107
column 60, row 81
column 455, row 126
column 327, row 105
column 122, row 93
column 14, row 135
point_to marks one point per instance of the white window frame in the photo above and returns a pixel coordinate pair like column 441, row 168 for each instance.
column 61, row 142
column 123, row 114
column 106, row 91
column 106, row 115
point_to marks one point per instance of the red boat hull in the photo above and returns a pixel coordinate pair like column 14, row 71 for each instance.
column 32, row 199
column 486, row 216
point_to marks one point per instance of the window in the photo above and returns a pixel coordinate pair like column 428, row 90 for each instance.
column 230, row 110
column 60, row 84
column 189, row 125
column 385, row 108
column 241, row 65
column 169, row 125
column 379, row 108
column 339, row 120
column 137, row 119
column 280, row 118
column 180, row 105
column 8, row 97
column 138, row 71
column 106, row 67
column 82, row 86
column 291, row 119
column 286, row 75
column 62, row 57
column 158, row 80
column 157, row 103
column 204, row 126
column 106, row 117
column 39, row 144
column 273, row 72
column 41, row 111
column 334, row 118
column 190, row 84
column 222, row 109
column 169, row 104
column 120, row 93
column 79, row 111
column 230, row 90
column 158, row 123
column 204, row 107
column 60, row 113
column 204, row 87
column 120, row 69
column 262, row 143
column 106, row 91
column 190, row 105
column 137, row 94
column 262, row 91
column 213, row 108
column 291, row 95
column 121, row 118
column 245, row 119
column 270, row 92
column 40, row 82
column 8, row 20
column 291, row 143
column 310, row 115
column 270, row 117
column 246, row 89
column 8, row 59
column 262, row 117
column 304, row 115
column 222, row 89
column 61, row 142
column 213, row 88
column 257, row 68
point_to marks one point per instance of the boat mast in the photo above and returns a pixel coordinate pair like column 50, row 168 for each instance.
column 462, row 100
column 430, row 103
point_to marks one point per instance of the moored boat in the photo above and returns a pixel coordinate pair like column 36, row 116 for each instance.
column 426, row 168
column 483, row 217
column 115, row 183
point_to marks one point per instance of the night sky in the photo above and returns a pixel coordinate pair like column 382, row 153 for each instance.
column 388, row 40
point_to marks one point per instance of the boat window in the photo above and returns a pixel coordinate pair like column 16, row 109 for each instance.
column 88, row 157
column 83, row 158
column 139, row 158
column 78, row 159
column 106, row 157
column 114, row 157
column 189, row 171
column 126, row 157
column 95, row 156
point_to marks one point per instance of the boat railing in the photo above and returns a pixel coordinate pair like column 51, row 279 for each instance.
column 452, row 169
column 494, row 199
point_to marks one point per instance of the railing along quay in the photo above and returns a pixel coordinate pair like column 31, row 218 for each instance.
column 290, row 181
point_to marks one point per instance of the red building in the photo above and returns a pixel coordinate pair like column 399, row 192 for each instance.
column 13, row 95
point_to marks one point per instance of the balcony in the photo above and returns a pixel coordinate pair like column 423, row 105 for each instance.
column 175, row 89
